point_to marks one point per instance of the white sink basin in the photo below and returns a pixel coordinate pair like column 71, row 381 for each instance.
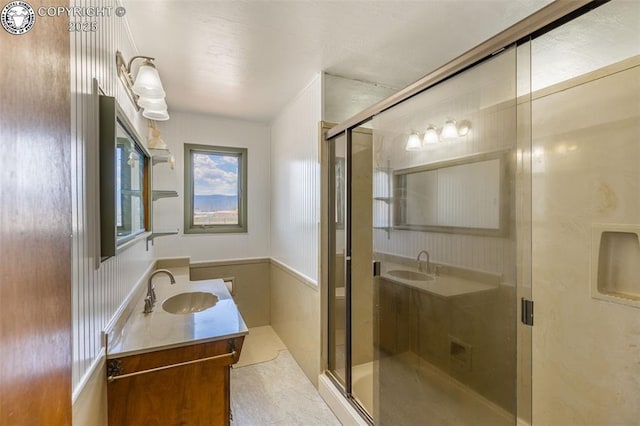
column 409, row 275
column 189, row 303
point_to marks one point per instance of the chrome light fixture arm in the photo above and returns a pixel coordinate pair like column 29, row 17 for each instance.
column 148, row 95
column 124, row 73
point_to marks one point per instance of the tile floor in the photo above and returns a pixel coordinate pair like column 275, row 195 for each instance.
column 276, row 391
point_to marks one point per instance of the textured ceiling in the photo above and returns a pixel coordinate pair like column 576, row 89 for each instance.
column 247, row 59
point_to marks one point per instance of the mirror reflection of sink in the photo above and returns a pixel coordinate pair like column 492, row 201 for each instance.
column 409, row 275
column 189, row 303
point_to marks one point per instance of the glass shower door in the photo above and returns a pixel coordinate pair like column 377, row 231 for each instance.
column 351, row 294
column 361, row 311
column 337, row 300
column 446, row 300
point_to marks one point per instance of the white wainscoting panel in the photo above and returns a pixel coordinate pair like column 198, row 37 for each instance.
column 295, row 181
column 98, row 289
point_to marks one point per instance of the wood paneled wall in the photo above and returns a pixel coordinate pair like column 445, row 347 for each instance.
column 35, row 225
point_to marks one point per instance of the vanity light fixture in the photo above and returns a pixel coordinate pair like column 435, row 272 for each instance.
column 414, row 143
column 431, row 136
column 464, row 127
column 155, row 115
column 449, row 131
column 146, row 90
column 152, row 103
column 147, row 82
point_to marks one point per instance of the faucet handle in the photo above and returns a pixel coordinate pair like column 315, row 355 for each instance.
column 148, row 305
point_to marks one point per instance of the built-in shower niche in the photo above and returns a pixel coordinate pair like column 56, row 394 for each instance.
column 615, row 271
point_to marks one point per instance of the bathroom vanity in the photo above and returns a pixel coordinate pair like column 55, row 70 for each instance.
column 174, row 368
column 451, row 323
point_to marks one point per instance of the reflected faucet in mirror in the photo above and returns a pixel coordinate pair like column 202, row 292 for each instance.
column 150, row 298
column 420, row 268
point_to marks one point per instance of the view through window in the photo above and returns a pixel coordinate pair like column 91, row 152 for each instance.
column 216, row 194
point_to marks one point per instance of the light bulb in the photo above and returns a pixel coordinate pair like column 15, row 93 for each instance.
column 449, row 131
column 156, row 115
column 155, row 104
column 431, row 136
column 148, row 82
column 464, row 127
column 413, row 143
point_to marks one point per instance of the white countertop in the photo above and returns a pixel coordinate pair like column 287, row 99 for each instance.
column 442, row 286
column 162, row 330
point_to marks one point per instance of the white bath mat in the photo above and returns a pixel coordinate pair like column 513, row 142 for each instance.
column 261, row 345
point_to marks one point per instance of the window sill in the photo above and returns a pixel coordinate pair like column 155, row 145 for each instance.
column 220, row 230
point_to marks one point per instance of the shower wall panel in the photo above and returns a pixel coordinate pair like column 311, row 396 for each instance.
column 586, row 153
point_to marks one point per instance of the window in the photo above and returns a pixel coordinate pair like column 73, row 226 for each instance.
column 215, row 189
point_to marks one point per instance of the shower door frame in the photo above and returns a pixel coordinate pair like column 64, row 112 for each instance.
column 547, row 18
column 327, row 157
column 550, row 16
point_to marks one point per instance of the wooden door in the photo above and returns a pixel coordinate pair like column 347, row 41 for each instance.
column 35, row 224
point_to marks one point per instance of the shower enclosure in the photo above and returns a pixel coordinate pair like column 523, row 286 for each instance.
column 443, row 210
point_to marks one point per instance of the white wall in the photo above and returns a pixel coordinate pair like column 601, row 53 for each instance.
column 168, row 212
column 295, row 184
column 97, row 292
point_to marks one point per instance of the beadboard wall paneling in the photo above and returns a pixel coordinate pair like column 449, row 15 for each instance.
column 168, row 212
column 485, row 98
column 98, row 289
column 295, row 183
column 489, row 254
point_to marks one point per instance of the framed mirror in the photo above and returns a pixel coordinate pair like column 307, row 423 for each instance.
column 124, row 179
column 467, row 195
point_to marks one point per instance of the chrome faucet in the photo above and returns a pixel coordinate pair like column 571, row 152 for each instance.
column 150, row 298
column 420, row 263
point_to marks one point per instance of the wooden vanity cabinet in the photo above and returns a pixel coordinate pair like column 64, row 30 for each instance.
column 393, row 302
column 187, row 385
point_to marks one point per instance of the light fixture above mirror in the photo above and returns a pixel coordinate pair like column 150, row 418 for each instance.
column 414, row 143
column 449, row 131
column 432, row 135
column 145, row 91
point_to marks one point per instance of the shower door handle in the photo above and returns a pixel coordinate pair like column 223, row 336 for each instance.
column 376, row 268
column 526, row 311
